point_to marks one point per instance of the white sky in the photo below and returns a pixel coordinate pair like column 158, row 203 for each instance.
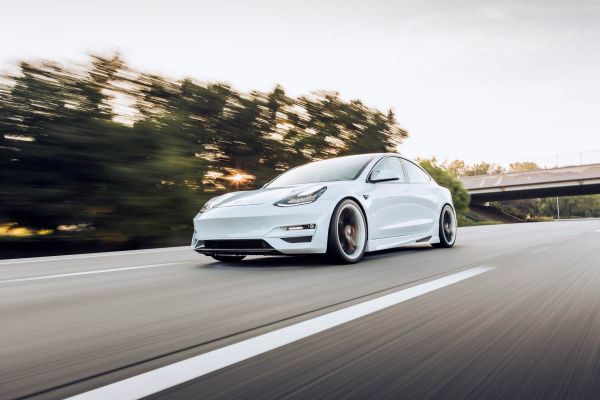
column 470, row 79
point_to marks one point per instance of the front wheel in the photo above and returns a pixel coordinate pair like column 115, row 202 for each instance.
column 347, row 237
column 228, row 258
column 448, row 227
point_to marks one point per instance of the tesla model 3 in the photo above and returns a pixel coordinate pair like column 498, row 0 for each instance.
column 342, row 207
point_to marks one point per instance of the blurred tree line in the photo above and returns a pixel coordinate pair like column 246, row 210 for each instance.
column 106, row 155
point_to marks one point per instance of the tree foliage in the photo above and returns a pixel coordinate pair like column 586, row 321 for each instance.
column 105, row 152
column 460, row 168
column 587, row 206
column 443, row 177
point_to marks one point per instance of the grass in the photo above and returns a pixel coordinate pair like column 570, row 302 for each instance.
column 464, row 220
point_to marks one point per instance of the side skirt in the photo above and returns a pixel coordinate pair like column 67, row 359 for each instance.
column 396, row 241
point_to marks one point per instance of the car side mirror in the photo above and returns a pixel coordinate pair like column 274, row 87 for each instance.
column 384, row 176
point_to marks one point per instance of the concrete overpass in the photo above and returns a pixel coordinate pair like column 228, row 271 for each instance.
column 567, row 181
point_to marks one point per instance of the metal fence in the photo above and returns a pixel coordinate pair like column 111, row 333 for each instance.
column 565, row 159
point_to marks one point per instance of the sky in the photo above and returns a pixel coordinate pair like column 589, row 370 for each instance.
column 476, row 80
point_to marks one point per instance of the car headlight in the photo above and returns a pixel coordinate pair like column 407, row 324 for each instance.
column 301, row 198
column 208, row 205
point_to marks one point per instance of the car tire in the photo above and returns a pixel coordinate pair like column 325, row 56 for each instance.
column 447, row 228
column 228, row 258
column 347, row 237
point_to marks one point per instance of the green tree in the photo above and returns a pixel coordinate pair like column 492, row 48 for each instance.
column 444, row 178
column 104, row 154
column 523, row 166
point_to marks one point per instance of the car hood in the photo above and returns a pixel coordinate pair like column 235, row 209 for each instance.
column 262, row 196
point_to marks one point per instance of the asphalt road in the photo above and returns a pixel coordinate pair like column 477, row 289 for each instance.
column 527, row 327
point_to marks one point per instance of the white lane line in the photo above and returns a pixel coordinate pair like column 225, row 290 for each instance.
column 171, row 375
column 92, row 255
column 97, row 271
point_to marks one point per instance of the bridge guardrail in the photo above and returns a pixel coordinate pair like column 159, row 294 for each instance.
column 567, row 159
column 560, row 160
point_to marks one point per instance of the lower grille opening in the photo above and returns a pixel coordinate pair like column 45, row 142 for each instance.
column 236, row 247
column 242, row 253
column 297, row 239
column 248, row 244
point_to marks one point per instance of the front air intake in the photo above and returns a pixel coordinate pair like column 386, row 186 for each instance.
column 236, row 247
column 297, row 239
column 237, row 244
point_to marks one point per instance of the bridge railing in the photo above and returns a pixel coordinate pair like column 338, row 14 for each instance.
column 560, row 160
column 568, row 159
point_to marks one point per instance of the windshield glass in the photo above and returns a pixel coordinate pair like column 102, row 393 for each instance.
column 335, row 169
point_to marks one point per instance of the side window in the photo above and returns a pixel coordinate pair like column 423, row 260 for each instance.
column 415, row 174
column 391, row 164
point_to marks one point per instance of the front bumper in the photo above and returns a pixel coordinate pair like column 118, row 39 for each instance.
column 257, row 229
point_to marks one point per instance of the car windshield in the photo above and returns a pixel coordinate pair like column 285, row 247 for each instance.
column 335, row 169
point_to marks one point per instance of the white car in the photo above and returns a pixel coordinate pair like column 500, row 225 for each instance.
column 343, row 207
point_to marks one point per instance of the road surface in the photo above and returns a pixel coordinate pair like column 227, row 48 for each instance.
column 512, row 311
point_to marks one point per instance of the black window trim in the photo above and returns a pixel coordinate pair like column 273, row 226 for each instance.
column 368, row 179
column 418, row 166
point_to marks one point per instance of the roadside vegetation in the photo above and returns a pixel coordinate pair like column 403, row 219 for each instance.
column 104, row 157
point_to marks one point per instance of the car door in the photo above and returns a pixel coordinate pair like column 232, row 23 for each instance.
column 421, row 198
column 389, row 214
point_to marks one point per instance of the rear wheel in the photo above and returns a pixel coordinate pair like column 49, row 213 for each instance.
column 347, row 233
column 448, row 227
column 228, row 258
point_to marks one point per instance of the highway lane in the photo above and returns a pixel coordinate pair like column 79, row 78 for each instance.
column 531, row 323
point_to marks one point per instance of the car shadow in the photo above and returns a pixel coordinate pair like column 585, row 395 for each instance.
column 398, row 250
column 272, row 263
column 307, row 261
